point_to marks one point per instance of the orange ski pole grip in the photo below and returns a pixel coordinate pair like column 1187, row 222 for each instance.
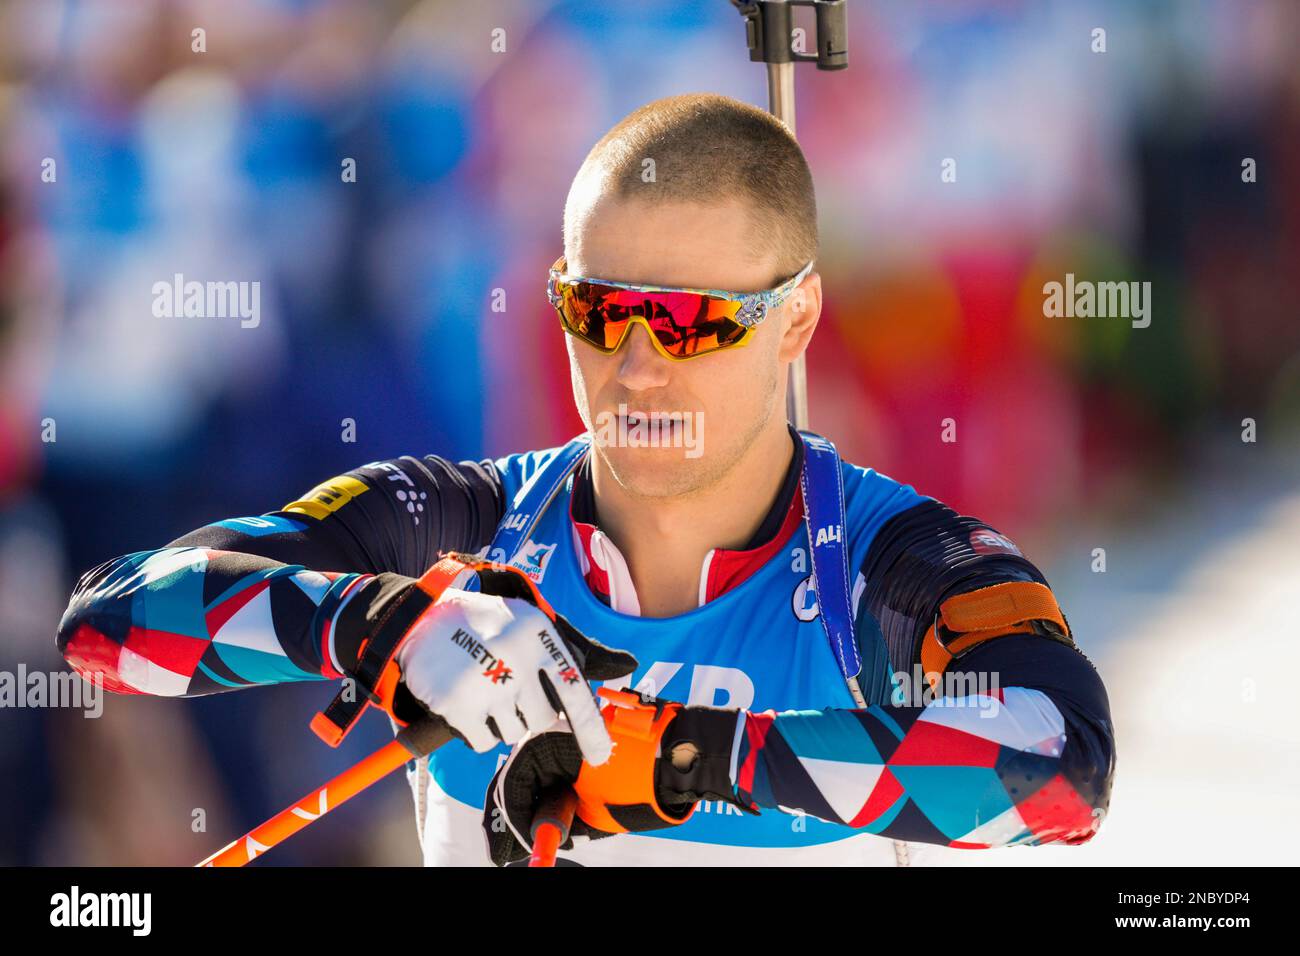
column 627, row 778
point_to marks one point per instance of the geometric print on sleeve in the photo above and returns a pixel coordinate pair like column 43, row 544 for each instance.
column 970, row 772
column 180, row 622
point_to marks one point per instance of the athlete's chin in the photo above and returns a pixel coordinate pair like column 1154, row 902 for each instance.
column 657, row 472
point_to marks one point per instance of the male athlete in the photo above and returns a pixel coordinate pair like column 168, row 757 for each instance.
column 773, row 602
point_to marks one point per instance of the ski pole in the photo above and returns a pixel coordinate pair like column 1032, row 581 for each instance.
column 551, row 825
column 412, row 741
column 769, row 26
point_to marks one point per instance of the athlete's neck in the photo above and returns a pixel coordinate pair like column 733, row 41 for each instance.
column 665, row 540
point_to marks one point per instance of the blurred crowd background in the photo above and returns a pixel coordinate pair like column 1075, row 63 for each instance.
column 1073, row 433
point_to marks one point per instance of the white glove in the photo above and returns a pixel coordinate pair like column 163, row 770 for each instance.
column 472, row 658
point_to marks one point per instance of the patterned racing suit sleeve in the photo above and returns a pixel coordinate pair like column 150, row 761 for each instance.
column 281, row 597
column 1026, row 755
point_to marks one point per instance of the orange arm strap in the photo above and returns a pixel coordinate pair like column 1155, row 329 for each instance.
column 967, row 620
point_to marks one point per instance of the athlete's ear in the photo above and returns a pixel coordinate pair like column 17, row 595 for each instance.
column 800, row 314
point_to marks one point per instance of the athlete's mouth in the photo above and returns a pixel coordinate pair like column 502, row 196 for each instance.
column 663, row 419
column 638, row 428
column 670, row 428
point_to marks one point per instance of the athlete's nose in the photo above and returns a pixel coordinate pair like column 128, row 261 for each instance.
column 640, row 367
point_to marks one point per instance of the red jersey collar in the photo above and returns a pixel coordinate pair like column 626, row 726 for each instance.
column 606, row 571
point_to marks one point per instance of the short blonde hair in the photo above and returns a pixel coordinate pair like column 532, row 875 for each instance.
column 708, row 147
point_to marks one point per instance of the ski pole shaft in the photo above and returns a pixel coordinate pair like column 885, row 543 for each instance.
column 769, row 26
column 414, row 741
column 551, row 826
column 780, row 103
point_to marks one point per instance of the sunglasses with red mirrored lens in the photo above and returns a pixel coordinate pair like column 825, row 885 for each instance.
column 683, row 323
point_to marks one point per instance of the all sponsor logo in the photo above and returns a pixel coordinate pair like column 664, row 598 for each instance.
column 516, row 521
column 828, row 534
